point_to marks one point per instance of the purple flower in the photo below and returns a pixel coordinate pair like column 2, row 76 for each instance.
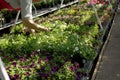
column 46, row 59
column 49, row 57
column 77, row 65
column 16, row 76
column 22, row 59
column 78, row 78
column 31, row 65
column 33, row 53
column 84, row 74
column 39, row 61
column 75, row 19
column 42, row 51
column 42, row 68
column 43, row 74
column 54, row 69
column 78, row 73
column 14, row 63
column 81, row 74
column 24, row 66
column 27, row 73
column 72, row 68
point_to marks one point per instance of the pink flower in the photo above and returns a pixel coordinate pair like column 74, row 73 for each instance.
column 93, row 2
column 103, row 2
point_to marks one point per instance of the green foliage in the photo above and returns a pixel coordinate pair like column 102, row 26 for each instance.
column 48, row 55
column 65, row 37
column 65, row 73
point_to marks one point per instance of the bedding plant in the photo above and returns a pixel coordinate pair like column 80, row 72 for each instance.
column 56, row 55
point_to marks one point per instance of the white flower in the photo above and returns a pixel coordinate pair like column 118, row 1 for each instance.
column 47, row 37
column 68, row 48
column 87, row 40
column 81, row 43
column 54, row 24
column 76, row 49
column 38, row 42
column 63, row 26
column 49, row 46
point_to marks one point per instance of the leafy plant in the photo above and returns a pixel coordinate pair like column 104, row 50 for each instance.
column 54, row 55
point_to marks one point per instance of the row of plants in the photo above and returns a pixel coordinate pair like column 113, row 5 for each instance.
column 39, row 4
column 45, row 4
column 56, row 55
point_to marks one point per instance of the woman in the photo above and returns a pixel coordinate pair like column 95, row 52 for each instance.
column 26, row 11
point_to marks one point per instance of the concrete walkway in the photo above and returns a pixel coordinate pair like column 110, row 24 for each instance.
column 109, row 65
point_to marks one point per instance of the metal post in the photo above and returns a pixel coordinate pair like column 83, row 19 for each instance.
column 17, row 16
column 96, row 14
column 1, row 20
column 110, row 4
column 61, row 2
column 3, row 72
column 34, row 8
column 78, row 1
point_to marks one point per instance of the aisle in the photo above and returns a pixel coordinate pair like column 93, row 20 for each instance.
column 109, row 67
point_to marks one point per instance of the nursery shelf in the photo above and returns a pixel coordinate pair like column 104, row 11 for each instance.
column 90, row 65
column 40, row 13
